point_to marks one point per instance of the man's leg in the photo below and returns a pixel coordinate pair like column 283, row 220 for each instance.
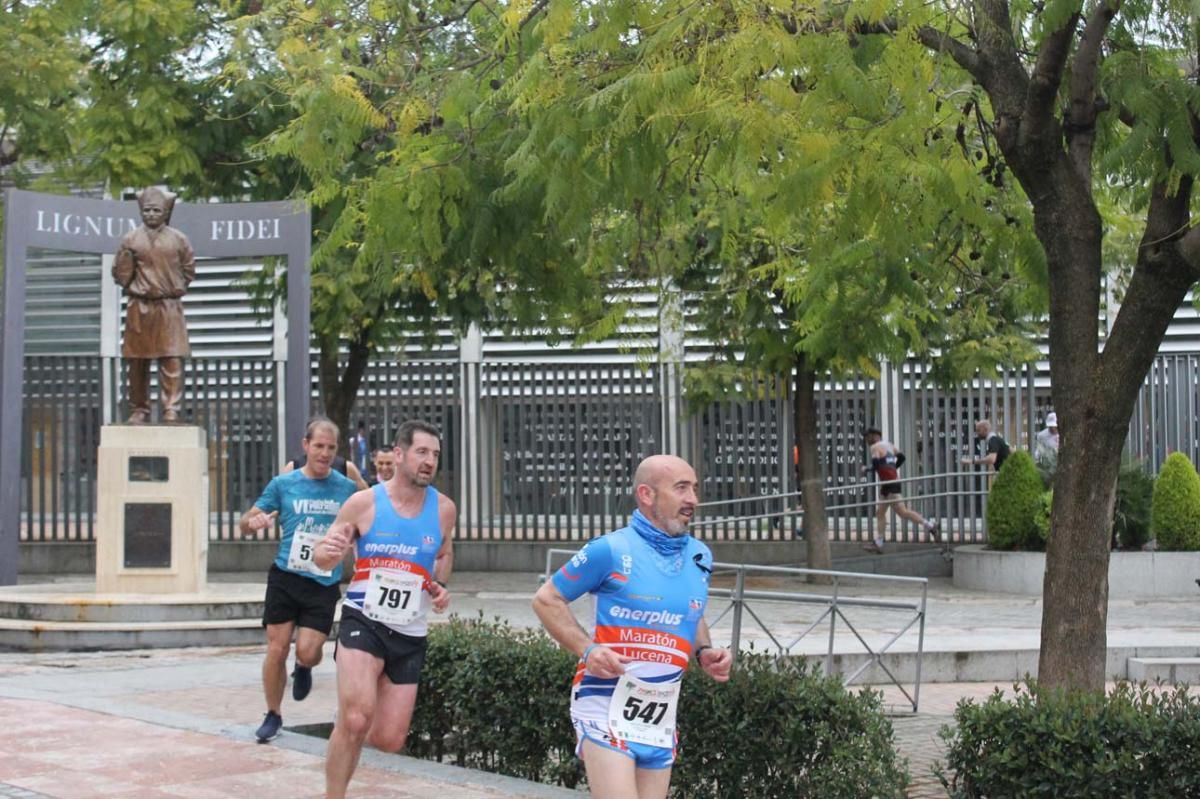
column 358, row 679
column 904, row 512
column 393, row 715
column 611, row 775
column 881, row 509
column 139, row 390
column 274, row 669
column 309, row 646
column 652, row 783
column 170, row 387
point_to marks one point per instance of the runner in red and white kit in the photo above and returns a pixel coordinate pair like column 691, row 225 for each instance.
column 402, row 532
column 886, row 461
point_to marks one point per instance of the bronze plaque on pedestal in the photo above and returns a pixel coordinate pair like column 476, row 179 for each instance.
column 147, row 535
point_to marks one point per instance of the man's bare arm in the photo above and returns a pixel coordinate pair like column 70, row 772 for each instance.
column 356, row 515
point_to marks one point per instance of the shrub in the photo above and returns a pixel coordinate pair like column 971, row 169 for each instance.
column 497, row 698
column 1131, row 511
column 1045, row 503
column 1175, row 508
column 1013, row 504
column 1131, row 744
column 778, row 728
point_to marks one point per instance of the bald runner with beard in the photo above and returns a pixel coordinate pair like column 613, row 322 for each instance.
column 402, row 532
column 650, row 582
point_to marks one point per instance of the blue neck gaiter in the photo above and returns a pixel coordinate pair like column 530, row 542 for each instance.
column 662, row 543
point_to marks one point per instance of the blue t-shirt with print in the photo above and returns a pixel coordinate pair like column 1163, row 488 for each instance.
column 306, row 504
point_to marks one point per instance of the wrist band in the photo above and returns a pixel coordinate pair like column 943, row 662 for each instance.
column 443, row 585
column 700, row 649
column 587, row 651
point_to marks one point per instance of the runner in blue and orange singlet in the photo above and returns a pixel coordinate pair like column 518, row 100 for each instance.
column 650, row 582
column 401, row 531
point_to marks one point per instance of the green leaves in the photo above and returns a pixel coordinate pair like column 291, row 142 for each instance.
column 1175, row 508
column 1135, row 742
column 497, row 698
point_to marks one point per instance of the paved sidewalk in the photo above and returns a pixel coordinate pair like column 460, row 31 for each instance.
column 179, row 723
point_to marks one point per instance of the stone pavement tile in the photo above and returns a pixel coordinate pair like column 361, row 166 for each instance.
column 71, row 784
column 14, row 765
column 13, row 792
column 243, row 704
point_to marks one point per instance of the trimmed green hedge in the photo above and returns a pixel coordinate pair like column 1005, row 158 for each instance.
column 1131, row 511
column 1175, row 509
column 1014, row 503
column 497, row 698
column 1131, row 744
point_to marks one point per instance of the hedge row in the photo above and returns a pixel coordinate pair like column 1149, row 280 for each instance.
column 497, row 698
column 1134, row 743
column 1018, row 513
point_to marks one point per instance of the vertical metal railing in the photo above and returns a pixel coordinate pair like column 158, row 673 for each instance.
column 547, row 449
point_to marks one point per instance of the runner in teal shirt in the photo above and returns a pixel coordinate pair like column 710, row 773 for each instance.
column 306, row 506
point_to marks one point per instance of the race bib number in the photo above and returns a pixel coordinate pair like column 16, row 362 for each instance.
column 644, row 712
column 300, row 558
column 393, row 598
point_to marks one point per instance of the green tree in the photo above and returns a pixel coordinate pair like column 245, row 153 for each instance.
column 1087, row 100
column 117, row 94
column 734, row 155
column 403, row 157
column 1175, row 507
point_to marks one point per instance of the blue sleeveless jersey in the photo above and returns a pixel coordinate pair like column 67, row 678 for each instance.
column 394, row 543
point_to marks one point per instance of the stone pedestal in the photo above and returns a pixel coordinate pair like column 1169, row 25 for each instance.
column 152, row 497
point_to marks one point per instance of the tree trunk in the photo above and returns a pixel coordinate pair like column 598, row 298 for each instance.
column 339, row 390
column 811, row 480
column 1094, row 393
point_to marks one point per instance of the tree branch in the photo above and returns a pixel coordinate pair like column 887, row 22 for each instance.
column 942, row 42
column 1047, row 75
column 1081, row 115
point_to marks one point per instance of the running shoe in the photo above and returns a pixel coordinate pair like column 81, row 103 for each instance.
column 873, row 548
column 301, row 682
column 935, row 532
column 269, row 729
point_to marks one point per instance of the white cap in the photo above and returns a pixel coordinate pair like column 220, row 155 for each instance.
column 1052, row 419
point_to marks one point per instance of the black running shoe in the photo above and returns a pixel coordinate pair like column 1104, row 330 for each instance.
column 935, row 532
column 301, row 682
column 269, row 729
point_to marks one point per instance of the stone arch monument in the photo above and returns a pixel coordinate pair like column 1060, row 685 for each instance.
column 78, row 224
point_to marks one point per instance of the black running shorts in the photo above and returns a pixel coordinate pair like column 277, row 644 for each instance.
column 402, row 655
column 295, row 598
column 890, row 489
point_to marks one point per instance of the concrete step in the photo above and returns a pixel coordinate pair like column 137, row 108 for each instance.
column 1170, row 670
column 79, row 609
column 48, row 636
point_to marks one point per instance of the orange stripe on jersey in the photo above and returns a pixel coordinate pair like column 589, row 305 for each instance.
column 632, row 636
column 363, row 566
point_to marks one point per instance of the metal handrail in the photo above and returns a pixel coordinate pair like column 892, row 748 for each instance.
column 839, row 489
column 739, row 597
column 727, row 520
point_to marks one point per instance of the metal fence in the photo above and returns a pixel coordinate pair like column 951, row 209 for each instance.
column 546, row 451
column 829, row 597
column 67, row 400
